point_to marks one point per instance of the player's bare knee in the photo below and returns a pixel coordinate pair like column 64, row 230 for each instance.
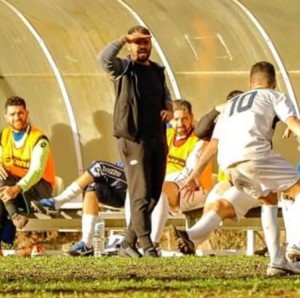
column 270, row 199
column 293, row 191
column 223, row 208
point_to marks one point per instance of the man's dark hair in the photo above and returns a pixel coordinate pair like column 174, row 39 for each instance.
column 15, row 101
column 182, row 104
column 139, row 29
column 233, row 93
column 264, row 69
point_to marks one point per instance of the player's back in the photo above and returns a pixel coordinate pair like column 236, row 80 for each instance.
column 246, row 126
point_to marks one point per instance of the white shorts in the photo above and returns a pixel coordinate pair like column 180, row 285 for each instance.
column 260, row 177
column 240, row 201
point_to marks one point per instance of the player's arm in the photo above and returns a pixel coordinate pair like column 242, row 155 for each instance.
column 205, row 126
column 293, row 123
column 38, row 163
column 204, row 157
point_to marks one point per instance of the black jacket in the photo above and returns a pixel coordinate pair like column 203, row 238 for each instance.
column 122, row 71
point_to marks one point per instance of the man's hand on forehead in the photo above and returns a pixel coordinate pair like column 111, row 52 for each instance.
column 136, row 37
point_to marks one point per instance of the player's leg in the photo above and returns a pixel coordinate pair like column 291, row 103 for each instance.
column 159, row 218
column 292, row 222
column 97, row 171
column 89, row 219
column 71, row 192
column 269, row 221
column 274, row 175
column 286, row 206
column 278, row 265
column 171, row 189
column 233, row 203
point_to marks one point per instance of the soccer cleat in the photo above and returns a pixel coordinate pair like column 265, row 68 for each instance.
column 49, row 203
column 113, row 245
column 79, row 249
column 292, row 254
column 19, row 220
column 280, row 270
column 129, row 252
column 184, row 244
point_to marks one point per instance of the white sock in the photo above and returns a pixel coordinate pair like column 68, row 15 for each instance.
column 201, row 230
column 287, row 207
column 159, row 217
column 71, row 192
column 294, row 215
column 127, row 209
column 88, row 228
column 269, row 221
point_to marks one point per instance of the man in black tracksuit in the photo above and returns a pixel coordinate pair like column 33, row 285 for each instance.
column 142, row 108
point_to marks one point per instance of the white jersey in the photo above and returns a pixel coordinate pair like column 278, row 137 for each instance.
column 246, row 126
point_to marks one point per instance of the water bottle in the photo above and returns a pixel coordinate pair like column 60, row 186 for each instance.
column 99, row 238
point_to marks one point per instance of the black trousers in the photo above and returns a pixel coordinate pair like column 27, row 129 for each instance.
column 145, row 167
column 21, row 203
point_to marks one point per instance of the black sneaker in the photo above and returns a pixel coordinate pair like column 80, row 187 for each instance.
column 151, row 252
column 158, row 248
column 129, row 252
column 184, row 244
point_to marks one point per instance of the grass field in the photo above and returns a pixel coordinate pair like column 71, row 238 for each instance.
column 120, row 277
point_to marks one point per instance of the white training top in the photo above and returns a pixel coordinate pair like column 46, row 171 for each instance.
column 246, row 125
column 189, row 164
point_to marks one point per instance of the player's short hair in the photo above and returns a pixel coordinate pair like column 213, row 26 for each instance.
column 264, row 70
column 139, row 29
column 233, row 93
column 182, row 104
column 15, row 101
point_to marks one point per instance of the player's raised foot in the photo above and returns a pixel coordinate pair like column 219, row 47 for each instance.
column 280, row 270
column 292, row 254
column 79, row 249
column 19, row 220
column 184, row 244
column 129, row 252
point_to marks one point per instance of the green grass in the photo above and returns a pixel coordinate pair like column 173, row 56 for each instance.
column 146, row 277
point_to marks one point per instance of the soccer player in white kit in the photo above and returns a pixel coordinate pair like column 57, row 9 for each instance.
column 243, row 137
